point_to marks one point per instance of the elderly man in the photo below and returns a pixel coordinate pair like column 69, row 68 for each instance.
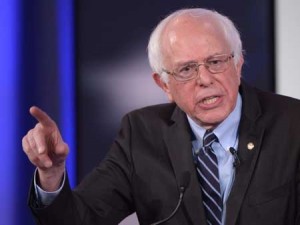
column 221, row 151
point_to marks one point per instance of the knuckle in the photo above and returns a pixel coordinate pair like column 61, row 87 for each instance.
column 42, row 149
column 38, row 126
column 31, row 142
column 26, row 149
column 35, row 161
column 29, row 133
column 36, row 132
column 63, row 148
column 26, row 146
column 24, row 141
column 33, row 158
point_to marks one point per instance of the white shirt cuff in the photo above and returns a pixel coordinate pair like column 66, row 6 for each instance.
column 45, row 197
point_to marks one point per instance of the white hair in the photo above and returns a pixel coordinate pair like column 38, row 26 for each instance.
column 231, row 34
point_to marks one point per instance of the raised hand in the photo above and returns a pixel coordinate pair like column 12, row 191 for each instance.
column 46, row 150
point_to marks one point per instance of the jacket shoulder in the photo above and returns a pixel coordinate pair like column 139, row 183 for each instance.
column 277, row 102
column 154, row 112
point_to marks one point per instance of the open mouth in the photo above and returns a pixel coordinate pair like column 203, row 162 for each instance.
column 210, row 100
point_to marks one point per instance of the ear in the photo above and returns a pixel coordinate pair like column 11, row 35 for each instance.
column 239, row 66
column 163, row 85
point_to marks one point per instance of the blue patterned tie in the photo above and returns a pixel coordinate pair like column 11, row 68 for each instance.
column 207, row 167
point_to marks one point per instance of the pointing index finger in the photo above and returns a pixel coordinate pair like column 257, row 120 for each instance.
column 41, row 116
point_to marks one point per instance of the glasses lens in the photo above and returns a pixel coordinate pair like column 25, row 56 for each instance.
column 186, row 72
column 217, row 64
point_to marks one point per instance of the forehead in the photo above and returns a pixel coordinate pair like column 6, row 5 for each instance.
column 193, row 38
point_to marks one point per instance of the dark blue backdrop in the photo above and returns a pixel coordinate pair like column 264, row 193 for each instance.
column 37, row 68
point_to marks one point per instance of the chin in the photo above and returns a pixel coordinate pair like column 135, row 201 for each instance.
column 210, row 121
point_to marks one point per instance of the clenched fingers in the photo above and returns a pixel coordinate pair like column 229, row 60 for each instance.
column 43, row 144
column 30, row 147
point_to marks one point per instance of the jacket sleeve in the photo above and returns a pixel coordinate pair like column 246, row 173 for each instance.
column 103, row 197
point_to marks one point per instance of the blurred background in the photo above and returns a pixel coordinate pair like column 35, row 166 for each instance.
column 85, row 63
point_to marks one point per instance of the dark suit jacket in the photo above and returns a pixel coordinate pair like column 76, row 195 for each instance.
column 147, row 162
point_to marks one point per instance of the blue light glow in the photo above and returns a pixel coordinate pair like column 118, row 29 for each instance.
column 9, row 58
column 67, row 80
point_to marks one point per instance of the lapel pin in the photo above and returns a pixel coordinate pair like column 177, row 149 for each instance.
column 250, row 146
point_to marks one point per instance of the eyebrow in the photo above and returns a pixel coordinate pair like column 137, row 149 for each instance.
column 179, row 64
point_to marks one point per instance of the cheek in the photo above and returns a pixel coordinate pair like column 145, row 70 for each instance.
column 232, row 89
column 180, row 92
column 232, row 84
column 183, row 95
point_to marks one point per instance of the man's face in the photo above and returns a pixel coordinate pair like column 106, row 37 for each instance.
column 209, row 98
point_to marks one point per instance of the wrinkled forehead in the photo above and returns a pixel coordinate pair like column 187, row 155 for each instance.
column 201, row 20
column 183, row 31
column 186, row 25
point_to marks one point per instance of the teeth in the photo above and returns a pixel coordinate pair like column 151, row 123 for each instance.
column 210, row 100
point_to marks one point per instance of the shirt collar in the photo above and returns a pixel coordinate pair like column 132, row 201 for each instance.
column 227, row 131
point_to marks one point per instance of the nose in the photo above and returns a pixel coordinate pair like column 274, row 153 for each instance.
column 204, row 77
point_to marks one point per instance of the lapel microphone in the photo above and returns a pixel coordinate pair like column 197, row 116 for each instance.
column 184, row 183
column 236, row 162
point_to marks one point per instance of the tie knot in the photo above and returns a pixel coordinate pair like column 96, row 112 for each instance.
column 209, row 138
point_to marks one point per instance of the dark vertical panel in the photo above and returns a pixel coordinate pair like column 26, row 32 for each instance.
column 67, row 80
column 38, row 85
column 33, row 70
column 9, row 30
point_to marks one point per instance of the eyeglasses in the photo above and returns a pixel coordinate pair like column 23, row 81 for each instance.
column 214, row 64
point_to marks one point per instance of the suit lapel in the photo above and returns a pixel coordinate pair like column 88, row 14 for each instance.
column 177, row 137
column 178, row 141
column 250, row 138
column 248, row 158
